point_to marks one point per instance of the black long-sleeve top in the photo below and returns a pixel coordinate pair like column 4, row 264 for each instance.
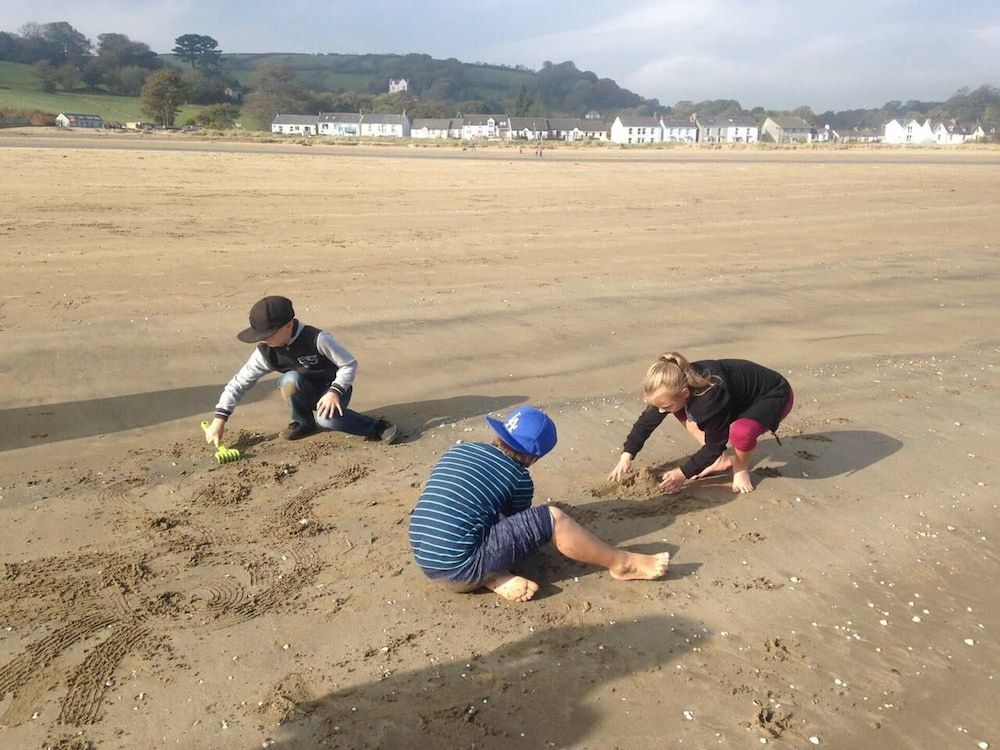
column 742, row 389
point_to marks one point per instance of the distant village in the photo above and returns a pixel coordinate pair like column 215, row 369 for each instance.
column 624, row 130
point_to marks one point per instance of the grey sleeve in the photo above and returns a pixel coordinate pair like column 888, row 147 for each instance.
column 347, row 365
column 255, row 368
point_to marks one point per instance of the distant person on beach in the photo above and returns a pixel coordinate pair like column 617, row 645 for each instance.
column 720, row 402
column 474, row 520
column 317, row 376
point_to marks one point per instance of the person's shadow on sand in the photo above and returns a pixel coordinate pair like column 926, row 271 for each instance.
column 26, row 426
column 832, row 453
column 535, row 692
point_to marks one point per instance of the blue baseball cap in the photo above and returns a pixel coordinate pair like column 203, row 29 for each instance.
column 527, row 430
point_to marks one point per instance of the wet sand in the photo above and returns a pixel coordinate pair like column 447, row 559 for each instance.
column 152, row 598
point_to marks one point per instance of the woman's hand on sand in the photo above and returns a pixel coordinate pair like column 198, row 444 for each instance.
column 214, row 432
column 623, row 465
column 673, row 480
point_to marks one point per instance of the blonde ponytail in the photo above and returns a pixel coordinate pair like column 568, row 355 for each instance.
column 673, row 372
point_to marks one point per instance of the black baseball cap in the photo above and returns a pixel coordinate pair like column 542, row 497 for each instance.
column 266, row 317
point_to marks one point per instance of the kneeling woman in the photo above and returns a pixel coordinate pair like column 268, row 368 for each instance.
column 719, row 401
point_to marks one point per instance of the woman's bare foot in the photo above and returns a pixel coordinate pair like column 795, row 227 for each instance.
column 742, row 481
column 638, row 567
column 511, row 587
column 722, row 464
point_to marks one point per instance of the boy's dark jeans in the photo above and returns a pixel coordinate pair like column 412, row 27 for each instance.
column 302, row 395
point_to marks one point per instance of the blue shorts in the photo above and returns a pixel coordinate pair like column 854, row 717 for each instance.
column 505, row 544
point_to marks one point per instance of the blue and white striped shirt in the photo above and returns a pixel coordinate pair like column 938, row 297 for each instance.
column 468, row 489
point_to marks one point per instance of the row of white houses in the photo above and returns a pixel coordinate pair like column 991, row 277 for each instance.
column 470, row 128
column 929, row 131
column 625, row 129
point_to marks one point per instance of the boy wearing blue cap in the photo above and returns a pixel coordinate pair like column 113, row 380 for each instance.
column 474, row 520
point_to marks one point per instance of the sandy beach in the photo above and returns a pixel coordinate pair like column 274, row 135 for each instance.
column 151, row 598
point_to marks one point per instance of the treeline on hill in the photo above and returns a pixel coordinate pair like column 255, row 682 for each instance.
column 65, row 60
column 197, row 72
column 306, row 84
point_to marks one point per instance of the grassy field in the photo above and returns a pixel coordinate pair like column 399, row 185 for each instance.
column 19, row 89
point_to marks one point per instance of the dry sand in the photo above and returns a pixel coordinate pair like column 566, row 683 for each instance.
column 151, row 598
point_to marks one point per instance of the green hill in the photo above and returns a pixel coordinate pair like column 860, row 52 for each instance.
column 20, row 89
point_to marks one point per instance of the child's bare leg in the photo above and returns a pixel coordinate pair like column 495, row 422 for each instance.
column 511, row 587
column 741, row 472
column 576, row 543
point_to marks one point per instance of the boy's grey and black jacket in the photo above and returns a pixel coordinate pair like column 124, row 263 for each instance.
column 742, row 389
column 313, row 353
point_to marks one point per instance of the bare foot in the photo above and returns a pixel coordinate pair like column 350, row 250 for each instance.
column 638, row 567
column 722, row 464
column 742, row 481
column 511, row 587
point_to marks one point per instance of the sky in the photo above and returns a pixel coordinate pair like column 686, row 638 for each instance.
column 769, row 53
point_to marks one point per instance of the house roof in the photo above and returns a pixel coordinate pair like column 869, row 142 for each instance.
column 431, row 123
column 77, row 116
column 678, row 122
column 738, row 121
column 280, row 119
column 790, row 122
column 352, row 117
column 370, row 119
column 529, row 123
column 479, row 120
column 638, row 121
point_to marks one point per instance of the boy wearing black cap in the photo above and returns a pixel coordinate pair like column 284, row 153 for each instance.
column 317, row 380
column 459, row 537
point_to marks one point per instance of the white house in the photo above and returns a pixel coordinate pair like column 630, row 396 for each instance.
column 381, row 126
column 430, row 128
column 396, row 87
column 480, row 127
column 592, row 129
column 74, row 120
column 635, row 129
column 679, row 130
column 576, row 129
column 952, row 132
column 339, row 123
column 908, row 131
column 295, row 124
column 856, row 135
column 456, row 127
column 527, row 128
column 785, row 129
column 736, row 129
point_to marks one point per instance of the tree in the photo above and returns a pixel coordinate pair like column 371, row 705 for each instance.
column 65, row 44
column 219, row 116
column 522, row 101
column 275, row 91
column 199, row 50
column 118, row 51
column 162, row 94
column 806, row 114
column 48, row 75
column 10, row 47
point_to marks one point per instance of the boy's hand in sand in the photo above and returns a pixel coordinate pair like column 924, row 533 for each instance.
column 623, row 465
column 673, row 480
column 214, row 432
column 329, row 405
